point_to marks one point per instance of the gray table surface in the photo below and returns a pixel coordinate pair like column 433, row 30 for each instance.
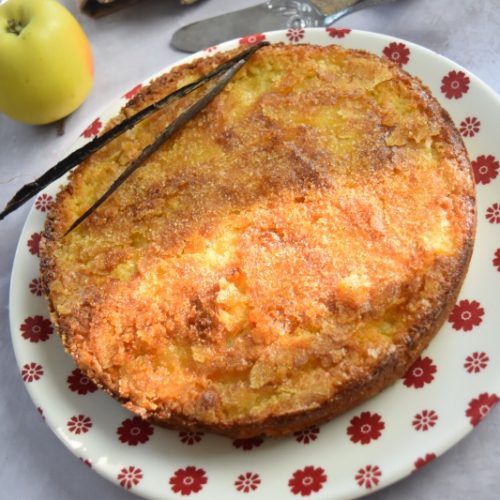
column 128, row 46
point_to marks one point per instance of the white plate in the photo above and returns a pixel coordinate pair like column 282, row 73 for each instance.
column 440, row 400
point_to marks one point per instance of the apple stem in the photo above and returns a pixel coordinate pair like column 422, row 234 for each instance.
column 14, row 26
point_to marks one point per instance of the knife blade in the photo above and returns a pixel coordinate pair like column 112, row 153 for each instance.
column 267, row 16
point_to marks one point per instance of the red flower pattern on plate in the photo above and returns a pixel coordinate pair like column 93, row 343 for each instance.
column 423, row 461
column 493, row 214
column 338, row 32
column 40, row 411
column 188, row 480
column 470, row 126
column 129, row 477
column 476, row 362
column 252, row 39
column 80, row 383
column 420, row 373
column 466, row 315
column 86, row 462
column 425, row 420
column 247, row 482
column 485, row 169
column 369, row 476
column 34, row 244
column 307, row 435
column 365, row 427
column 397, row 52
column 213, row 48
column 295, row 34
column 79, row 424
column 248, row 443
column 44, row 202
column 480, row 407
column 133, row 91
column 134, row 430
column 496, row 259
column 93, row 129
column 307, row 480
column 31, row 372
column 36, row 287
column 36, row 329
column 190, row 438
column 455, row 84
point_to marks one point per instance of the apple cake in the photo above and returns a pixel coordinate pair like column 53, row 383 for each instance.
column 283, row 257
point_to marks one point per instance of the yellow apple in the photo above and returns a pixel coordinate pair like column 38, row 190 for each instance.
column 46, row 65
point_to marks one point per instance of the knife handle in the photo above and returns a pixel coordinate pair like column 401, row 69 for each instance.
column 342, row 7
column 328, row 7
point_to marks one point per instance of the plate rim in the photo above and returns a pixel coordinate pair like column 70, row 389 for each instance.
column 109, row 110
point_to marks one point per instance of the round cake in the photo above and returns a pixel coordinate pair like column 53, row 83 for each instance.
column 286, row 255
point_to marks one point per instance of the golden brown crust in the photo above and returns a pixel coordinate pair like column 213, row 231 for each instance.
column 287, row 256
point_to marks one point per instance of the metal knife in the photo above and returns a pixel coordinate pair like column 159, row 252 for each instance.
column 267, row 16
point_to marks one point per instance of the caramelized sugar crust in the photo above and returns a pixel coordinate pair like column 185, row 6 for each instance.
column 285, row 256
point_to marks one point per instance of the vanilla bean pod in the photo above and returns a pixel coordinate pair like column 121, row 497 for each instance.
column 31, row 189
